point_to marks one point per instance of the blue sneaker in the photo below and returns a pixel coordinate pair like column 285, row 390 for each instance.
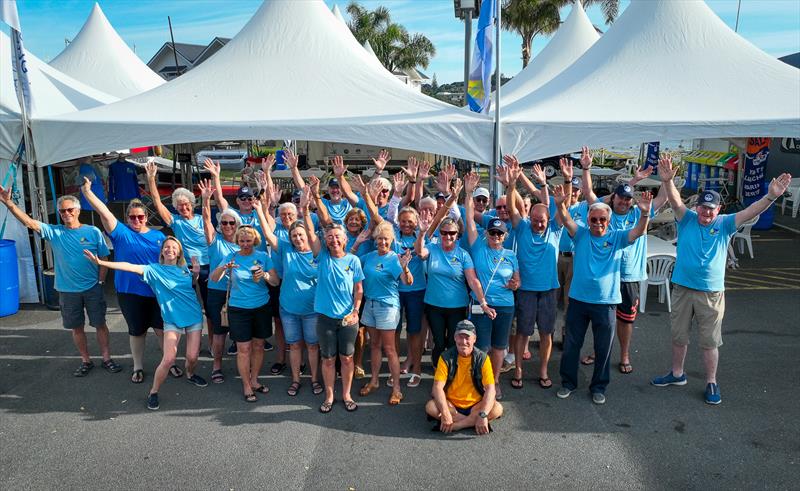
column 669, row 379
column 712, row 394
column 152, row 402
column 232, row 350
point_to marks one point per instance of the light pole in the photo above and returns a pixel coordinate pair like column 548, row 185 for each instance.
column 466, row 10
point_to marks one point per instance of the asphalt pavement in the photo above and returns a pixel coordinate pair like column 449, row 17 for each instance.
column 57, row 431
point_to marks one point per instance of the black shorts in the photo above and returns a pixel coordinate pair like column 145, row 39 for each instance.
column 140, row 313
column 629, row 307
column 274, row 301
column 246, row 324
column 536, row 309
column 214, row 304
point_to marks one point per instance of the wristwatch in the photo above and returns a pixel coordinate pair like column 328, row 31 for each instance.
column 483, row 415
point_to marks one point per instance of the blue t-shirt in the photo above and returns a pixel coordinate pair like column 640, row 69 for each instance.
column 382, row 277
column 416, row 266
column 538, row 256
column 246, row 293
column 299, row 272
column 486, row 261
column 337, row 276
column 634, row 258
column 122, row 182
column 176, row 297
column 702, row 251
column 595, row 268
column 579, row 212
column 364, row 248
column 447, row 285
column 337, row 211
column 74, row 273
column 248, row 218
column 87, row 170
column 192, row 236
column 217, row 252
column 135, row 248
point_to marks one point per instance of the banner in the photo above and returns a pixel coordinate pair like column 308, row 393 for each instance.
column 9, row 15
column 651, row 157
column 755, row 166
column 479, row 86
column 19, row 234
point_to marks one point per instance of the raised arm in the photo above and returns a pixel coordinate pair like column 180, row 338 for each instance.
column 514, row 171
column 777, row 187
column 213, row 168
column 666, row 172
column 561, row 210
column 305, row 202
column 108, row 218
column 265, row 218
column 322, row 210
column 290, row 159
column 471, row 181
column 644, row 203
column 419, row 242
column 206, row 190
column 406, row 275
column 442, row 212
column 5, row 198
column 339, row 170
column 423, row 173
column 119, row 266
column 411, row 171
column 367, row 192
column 586, row 166
column 152, row 187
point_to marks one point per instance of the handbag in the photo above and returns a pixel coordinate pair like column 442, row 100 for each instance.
column 223, row 313
column 476, row 309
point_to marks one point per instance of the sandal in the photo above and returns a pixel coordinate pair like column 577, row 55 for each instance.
column 111, row 366
column 350, row 405
column 137, row 377
column 83, row 370
column 587, row 360
column 367, row 389
column 176, row 371
column 545, row 383
column 625, row 368
column 317, row 388
column 277, row 368
column 326, row 407
column 217, row 376
column 293, row 389
column 414, row 380
column 261, row 389
column 527, row 355
column 395, row 398
column 516, row 383
column 359, row 373
column 250, row 398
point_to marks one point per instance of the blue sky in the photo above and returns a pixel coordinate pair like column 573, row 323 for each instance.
column 772, row 25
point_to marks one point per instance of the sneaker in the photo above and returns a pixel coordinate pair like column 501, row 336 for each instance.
column 268, row 346
column 197, row 380
column 507, row 367
column 598, row 398
column 712, row 394
column 111, row 366
column 232, row 349
column 152, row 402
column 563, row 393
column 669, row 379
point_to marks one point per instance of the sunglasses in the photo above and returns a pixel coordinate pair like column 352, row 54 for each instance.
column 481, row 199
column 246, row 198
column 226, row 222
column 448, row 233
column 598, row 220
column 137, row 217
column 500, row 207
column 496, row 233
column 68, row 210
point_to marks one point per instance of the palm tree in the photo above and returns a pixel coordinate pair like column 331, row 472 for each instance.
column 529, row 18
column 393, row 45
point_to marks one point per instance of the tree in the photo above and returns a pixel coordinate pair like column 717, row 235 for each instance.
column 393, row 45
column 529, row 18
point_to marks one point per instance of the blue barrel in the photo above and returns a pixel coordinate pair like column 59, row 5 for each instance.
column 9, row 278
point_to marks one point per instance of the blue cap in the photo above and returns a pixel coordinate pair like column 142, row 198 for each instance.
column 333, row 182
column 709, row 199
column 497, row 224
column 576, row 182
column 624, row 191
column 244, row 192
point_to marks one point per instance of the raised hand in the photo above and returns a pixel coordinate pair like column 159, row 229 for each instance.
column 642, row 173
column 779, row 185
column 364, row 236
column 458, row 184
column 381, row 161
column 399, row 180
column 586, row 158
column 86, row 186
column 261, row 178
column 450, row 171
column 313, row 185
column 665, row 170
column 151, row 168
column 645, row 201
column 374, row 189
column 206, row 189
column 358, row 185
column 5, row 195
column 267, row 164
column 91, row 257
column 338, row 166
column 275, row 195
column 289, row 158
column 502, row 174
column 212, row 167
column 442, row 182
column 305, row 198
column 424, row 170
column 424, row 224
column 412, row 169
column 559, row 194
column 538, row 175
column 405, row 259
column 471, row 181
column 566, row 168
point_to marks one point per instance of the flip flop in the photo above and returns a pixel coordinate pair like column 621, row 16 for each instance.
column 587, row 360
column 367, row 389
column 414, row 380
column 250, row 398
column 350, row 406
column 516, row 383
column 625, row 368
column 543, row 383
column 317, row 388
column 217, row 376
column 395, row 398
column 137, row 377
column 176, row 371
column 277, row 368
column 261, row 389
column 326, row 407
column 293, row 389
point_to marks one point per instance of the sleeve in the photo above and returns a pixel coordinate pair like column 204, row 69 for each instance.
column 729, row 224
column 441, row 372
column 621, row 238
column 397, row 270
column 148, row 274
column 358, row 272
column 486, row 372
column 102, row 247
column 514, row 262
column 46, row 230
column 268, row 263
column 580, row 234
column 468, row 264
column 118, row 232
column 652, row 212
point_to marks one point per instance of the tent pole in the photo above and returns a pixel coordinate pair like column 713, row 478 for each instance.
column 497, row 158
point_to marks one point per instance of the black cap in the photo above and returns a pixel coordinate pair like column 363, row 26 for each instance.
column 497, row 224
column 624, row 191
column 440, row 195
column 296, row 194
column 333, row 182
column 465, row 326
column 709, row 199
column 244, row 192
column 576, row 182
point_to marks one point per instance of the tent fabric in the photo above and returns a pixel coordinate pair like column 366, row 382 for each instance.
column 571, row 40
column 665, row 70
column 292, row 72
column 98, row 57
column 52, row 92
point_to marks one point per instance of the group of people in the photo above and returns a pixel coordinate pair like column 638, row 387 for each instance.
column 322, row 273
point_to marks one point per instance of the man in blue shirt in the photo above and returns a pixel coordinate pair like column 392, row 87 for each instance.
column 699, row 275
column 595, row 290
column 78, row 280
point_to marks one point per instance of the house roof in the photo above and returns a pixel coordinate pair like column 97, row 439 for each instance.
column 189, row 51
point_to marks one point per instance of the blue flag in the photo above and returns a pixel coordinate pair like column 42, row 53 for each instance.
column 479, row 86
column 651, row 159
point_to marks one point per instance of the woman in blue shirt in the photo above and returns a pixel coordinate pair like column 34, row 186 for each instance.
column 134, row 243
column 220, row 246
column 249, row 271
column 383, row 270
column 172, row 282
column 449, row 266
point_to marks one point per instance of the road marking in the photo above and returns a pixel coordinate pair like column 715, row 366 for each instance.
column 764, row 279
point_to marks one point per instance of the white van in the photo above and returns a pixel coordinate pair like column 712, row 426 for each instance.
column 228, row 159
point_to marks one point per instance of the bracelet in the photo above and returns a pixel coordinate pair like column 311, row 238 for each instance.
column 771, row 199
column 413, row 181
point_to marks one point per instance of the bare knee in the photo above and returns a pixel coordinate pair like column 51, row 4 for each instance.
column 496, row 412
column 432, row 410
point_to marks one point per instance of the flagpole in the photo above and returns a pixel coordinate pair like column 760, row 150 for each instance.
column 496, row 157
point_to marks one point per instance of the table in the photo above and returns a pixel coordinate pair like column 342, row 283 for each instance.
column 657, row 246
column 604, row 172
column 647, row 182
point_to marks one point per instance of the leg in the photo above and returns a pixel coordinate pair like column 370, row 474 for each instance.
column 326, row 333
column 710, row 361
column 280, row 342
column 436, row 320
column 192, row 350
column 624, row 333
column 680, row 323
column 329, row 376
column 678, row 357
column 520, row 341
column 295, row 360
column 217, row 348
column 137, row 344
column 386, row 337
column 347, row 376
column 358, row 355
column 603, row 326
column 313, row 361
column 545, row 348
column 171, row 339
column 345, row 340
column 79, row 338
column 102, row 340
column 243, row 353
column 577, row 323
column 375, row 341
column 256, row 360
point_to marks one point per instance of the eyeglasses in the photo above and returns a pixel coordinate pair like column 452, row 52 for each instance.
column 137, row 217
column 384, row 191
column 246, row 198
column 496, row 233
column 598, row 219
column 226, row 222
column 481, row 199
column 68, row 210
column 448, row 233
column 500, row 207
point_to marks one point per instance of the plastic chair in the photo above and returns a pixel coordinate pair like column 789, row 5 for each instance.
column 679, row 182
column 794, row 189
column 743, row 236
column 659, row 272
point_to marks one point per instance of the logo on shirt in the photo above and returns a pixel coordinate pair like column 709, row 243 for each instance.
column 347, row 269
column 713, row 232
column 379, row 267
column 454, row 260
column 83, row 240
column 606, row 244
column 314, row 262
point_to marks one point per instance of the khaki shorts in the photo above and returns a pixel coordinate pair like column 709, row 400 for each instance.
column 707, row 308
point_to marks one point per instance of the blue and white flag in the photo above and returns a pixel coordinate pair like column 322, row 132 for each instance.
column 651, row 156
column 479, row 87
column 9, row 15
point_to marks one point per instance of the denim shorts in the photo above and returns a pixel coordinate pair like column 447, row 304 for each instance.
column 183, row 330
column 334, row 337
column 73, row 304
column 298, row 328
column 380, row 315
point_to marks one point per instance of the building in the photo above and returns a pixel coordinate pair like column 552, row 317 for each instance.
column 189, row 56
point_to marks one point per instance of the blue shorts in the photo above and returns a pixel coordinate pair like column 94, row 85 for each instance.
column 463, row 410
column 413, row 303
column 183, row 330
column 380, row 315
column 214, row 304
column 298, row 328
column 493, row 333
column 73, row 305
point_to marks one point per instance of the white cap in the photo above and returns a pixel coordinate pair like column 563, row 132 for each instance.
column 481, row 192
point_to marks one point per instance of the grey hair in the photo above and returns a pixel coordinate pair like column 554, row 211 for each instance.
column 408, row 209
column 229, row 212
column 427, row 200
column 599, row 205
column 287, row 205
column 69, row 197
column 385, row 184
column 185, row 194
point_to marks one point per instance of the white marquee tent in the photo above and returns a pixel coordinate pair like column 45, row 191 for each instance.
column 573, row 38
column 665, row 70
column 291, row 73
column 98, row 57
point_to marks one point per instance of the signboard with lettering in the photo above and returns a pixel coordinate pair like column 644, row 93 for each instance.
column 753, row 178
column 790, row 145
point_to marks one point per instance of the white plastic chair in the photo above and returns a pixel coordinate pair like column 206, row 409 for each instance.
column 743, row 236
column 679, row 182
column 794, row 188
column 659, row 272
